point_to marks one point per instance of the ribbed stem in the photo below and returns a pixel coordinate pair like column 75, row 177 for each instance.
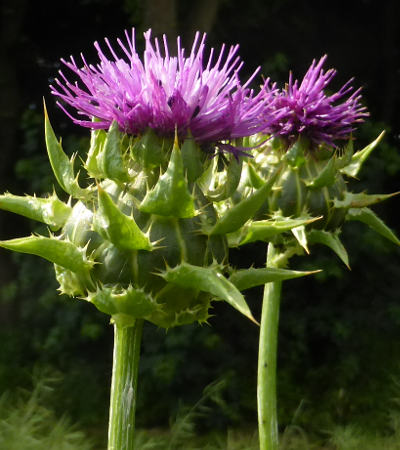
column 121, row 427
column 268, row 344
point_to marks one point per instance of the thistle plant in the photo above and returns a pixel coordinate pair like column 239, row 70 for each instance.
column 139, row 236
column 309, row 200
column 167, row 186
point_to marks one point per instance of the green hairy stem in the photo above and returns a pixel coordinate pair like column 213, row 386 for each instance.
column 121, row 426
column 268, row 344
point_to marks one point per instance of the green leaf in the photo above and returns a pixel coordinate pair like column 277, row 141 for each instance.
column 248, row 278
column 295, row 155
column 332, row 241
column 300, row 234
column 229, row 180
column 115, row 300
column 116, row 227
column 326, row 177
column 347, row 154
column 51, row 210
column 368, row 217
column 170, row 196
column 63, row 168
column 208, row 279
column 360, row 200
column 207, row 177
column 360, row 157
column 255, row 180
column 111, row 161
column 264, row 230
column 62, row 253
column 97, row 140
column 192, row 159
column 150, row 150
column 241, row 212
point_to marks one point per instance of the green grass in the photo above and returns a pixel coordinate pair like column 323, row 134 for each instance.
column 26, row 423
column 351, row 437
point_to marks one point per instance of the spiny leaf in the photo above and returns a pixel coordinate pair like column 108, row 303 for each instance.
column 264, row 230
column 51, row 210
column 295, row 155
column 240, row 213
column 192, row 159
column 368, row 217
column 248, row 278
column 208, row 279
column 360, row 200
column 207, row 177
column 326, row 177
column 360, row 157
column 331, row 240
column 62, row 253
column 116, row 227
column 347, row 153
column 72, row 284
column 255, row 179
column 170, row 196
column 111, row 157
column 63, row 168
column 149, row 150
column 300, row 234
column 229, row 182
column 115, row 300
column 97, row 140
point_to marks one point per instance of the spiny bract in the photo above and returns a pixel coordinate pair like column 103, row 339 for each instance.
column 132, row 242
column 309, row 200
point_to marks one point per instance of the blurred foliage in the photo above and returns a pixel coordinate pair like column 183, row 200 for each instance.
column 29, row 422
column 26, row 423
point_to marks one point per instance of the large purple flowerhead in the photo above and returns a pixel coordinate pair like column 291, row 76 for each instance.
column 305, row 109
column 163, row 92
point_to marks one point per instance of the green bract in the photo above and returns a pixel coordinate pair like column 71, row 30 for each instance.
column 309, row 196
column 148, row 237
column 143, row 239
column 121, row 236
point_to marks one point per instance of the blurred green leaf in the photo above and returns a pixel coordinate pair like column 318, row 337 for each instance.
column 368, row 217
column 331, row 240
column 248, row 278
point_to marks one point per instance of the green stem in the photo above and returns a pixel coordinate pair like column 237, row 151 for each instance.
column 121, row 427
column 266, row 382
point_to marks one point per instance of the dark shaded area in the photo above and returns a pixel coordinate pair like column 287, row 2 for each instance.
column 339, row 334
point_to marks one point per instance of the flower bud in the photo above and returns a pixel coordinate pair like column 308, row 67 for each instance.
column 308, row 183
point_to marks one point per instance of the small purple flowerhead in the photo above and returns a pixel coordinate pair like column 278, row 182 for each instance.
column 164, row 93
column 306, row 110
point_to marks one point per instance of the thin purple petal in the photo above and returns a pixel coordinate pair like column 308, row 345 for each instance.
column 307, row 110
column 166, row 93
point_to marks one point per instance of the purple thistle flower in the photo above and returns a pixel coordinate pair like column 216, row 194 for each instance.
column 165, row 93
column 306, row 110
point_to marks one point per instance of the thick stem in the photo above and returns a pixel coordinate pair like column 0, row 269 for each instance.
column 268, row 344
column 121, row 427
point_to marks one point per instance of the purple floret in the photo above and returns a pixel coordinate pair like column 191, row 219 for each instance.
column 165, row 93
column 306, row 110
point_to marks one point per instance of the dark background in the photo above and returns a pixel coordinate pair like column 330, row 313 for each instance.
column 340, row 331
